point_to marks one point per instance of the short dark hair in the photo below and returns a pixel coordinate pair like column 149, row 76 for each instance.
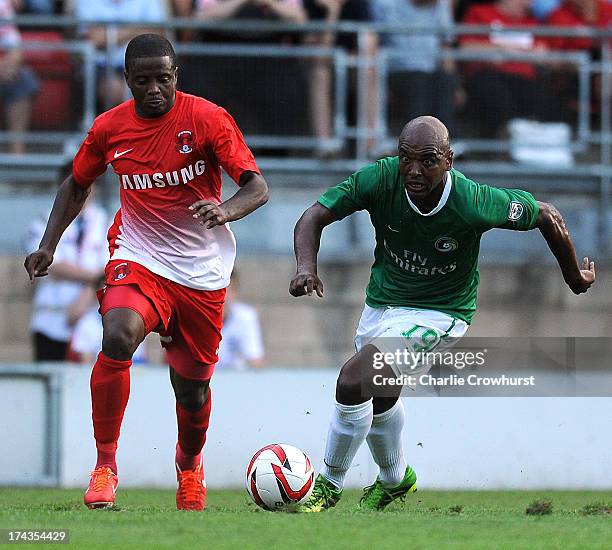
column 149, row 45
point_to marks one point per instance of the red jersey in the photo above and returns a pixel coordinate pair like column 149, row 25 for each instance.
column 164, row 165
column 566, row 16
column 488, row 14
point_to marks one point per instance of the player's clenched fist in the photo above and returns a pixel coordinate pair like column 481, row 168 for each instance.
column 587, row 277
column 209, row 213
column 304, row 283
column 37, row 264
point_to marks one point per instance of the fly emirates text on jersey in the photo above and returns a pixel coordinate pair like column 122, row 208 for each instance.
column 417, row 264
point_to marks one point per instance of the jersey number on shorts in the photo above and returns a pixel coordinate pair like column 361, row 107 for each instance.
column 421, row 339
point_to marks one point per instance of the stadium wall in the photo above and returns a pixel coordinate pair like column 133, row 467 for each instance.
column 536, row 442
column 526, row 299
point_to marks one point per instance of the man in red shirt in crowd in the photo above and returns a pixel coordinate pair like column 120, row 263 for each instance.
column 172, row 251
column 504, row 90
column 578, row 13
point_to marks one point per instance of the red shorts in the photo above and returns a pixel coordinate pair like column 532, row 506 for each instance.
column 189, row 321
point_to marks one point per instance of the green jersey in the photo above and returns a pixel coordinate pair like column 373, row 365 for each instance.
column 428, row 261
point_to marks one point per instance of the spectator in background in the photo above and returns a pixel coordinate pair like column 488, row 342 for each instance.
column 86, row 341
column 241, row 344
column 320, row 83
column 218, row 10
column 290, row 11
column 461, row 7
column 36, row 7
column 59, row 299
column 574, row 13
column 498, row 92
column 263, row 93
column 580, row 13
column 541, row 9
column 111, row 88
column 423, row 82
column 17, row 83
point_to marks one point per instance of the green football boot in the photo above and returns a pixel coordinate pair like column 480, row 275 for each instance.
column 325, row 495
column 377, row 496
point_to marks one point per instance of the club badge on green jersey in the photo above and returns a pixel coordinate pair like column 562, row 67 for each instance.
column 446, row 244
column 515, row 211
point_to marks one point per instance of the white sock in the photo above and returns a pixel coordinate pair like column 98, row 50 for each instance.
column 347, row 431
column 385, row 442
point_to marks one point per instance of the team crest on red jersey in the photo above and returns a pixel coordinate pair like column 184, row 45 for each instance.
column 121, row 271
column 184, row 142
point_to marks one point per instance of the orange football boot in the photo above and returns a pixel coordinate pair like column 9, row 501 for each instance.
column 102, row 487
column 191, row 491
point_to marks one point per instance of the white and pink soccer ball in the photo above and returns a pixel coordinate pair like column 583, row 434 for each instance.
column 279, row 477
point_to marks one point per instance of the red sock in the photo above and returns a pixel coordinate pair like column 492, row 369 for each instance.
column 192, row 426
column 110, row 390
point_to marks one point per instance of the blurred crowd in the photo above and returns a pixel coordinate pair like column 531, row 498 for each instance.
column 297, row 93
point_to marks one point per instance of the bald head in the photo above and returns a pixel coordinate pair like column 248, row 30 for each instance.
column 426, row 131
column 424, row 158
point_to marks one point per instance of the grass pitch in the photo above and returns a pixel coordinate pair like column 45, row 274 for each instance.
column 147, row 518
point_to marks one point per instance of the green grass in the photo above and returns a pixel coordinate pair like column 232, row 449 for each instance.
column 428, row 519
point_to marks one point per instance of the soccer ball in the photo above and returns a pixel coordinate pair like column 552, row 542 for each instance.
column 279, row 477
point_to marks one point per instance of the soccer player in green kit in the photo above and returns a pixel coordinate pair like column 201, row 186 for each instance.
column 429, row 219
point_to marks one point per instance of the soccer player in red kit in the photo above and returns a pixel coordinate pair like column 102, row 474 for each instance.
column 172, row 251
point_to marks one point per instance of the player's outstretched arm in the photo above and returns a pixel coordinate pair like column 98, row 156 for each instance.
column 579, row 277
column 69, row 201
column 252, row 194
column 306, row 243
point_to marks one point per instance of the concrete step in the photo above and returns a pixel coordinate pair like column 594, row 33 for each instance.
column 14, row 280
